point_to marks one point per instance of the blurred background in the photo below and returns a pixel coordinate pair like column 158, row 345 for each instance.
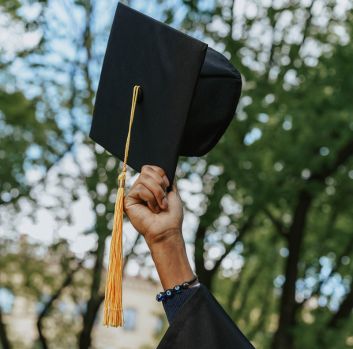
column 268, row 212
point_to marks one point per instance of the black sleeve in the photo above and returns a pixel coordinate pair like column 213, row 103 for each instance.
column 201, row 322
column 171, row 306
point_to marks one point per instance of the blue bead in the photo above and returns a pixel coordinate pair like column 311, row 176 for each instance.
column 160, row 296
column 177, row 289
column 168, row 293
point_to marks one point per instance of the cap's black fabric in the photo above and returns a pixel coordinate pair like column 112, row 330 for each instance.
column 214, row 103
column 190, row 93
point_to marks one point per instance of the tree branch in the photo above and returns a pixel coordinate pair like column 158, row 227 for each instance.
column 344, row 310
column 47, row 307
column 347, row 250
column 342, row 156
column 277, row 223
column 228, row 248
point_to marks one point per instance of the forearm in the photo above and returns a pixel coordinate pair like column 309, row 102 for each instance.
column 171, row 261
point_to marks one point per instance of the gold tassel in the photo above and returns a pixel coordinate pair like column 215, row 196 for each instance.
column 113, row 310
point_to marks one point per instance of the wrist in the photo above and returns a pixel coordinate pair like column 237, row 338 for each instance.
column 164, row 239
column 170, row 259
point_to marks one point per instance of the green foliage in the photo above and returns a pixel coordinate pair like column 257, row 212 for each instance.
column 20, row 132
column 10, row 6
column 275, row 219
column 293, row 134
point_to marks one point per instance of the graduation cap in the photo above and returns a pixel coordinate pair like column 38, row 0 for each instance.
column 162, row 94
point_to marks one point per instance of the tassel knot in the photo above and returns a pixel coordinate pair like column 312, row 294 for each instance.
column 121, row 179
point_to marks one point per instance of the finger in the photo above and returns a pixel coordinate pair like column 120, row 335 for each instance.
column 150, row 199
column 159, row 170
column 154, row 209
column 140, row 192
column 156, row 175
column 157, row 190
column 175, row 188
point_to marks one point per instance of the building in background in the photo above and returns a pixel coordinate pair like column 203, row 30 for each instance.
column 144, row 318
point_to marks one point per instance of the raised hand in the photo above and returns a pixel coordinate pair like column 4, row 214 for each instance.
column 158, row 216
column 154, row 213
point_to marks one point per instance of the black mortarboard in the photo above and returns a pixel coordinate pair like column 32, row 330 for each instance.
column 161, row 94
column 189, row 93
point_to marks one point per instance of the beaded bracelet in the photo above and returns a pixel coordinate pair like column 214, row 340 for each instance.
column 169, row 293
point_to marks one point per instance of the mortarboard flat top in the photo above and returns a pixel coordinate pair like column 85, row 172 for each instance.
column 190, row 93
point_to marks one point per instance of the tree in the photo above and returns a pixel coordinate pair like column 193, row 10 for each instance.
column 272, row 237
column 52, row 107
column 287, row 158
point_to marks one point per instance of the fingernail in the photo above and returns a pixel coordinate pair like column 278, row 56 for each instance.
column 166, row 180
column 165, row 202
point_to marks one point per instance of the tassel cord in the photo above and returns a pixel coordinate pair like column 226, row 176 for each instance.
column 113, row 312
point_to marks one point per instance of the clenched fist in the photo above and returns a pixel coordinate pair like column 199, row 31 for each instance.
column 158, row 216
column 155, row 214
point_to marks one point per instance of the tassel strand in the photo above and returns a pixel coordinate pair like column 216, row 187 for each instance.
column 113, row 310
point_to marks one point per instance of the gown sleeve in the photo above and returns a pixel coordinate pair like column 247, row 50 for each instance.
column 173, row 305
column 201, row 322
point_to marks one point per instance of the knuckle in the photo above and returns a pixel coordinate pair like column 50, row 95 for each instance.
column 152, row 179
column 142, row 192
column 160, row 181
column 138, row 187
column 144, row 177
column 145, row 168
column 148, row 167
column 160, row 170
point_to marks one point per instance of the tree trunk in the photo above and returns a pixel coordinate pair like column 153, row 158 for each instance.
column 93, row 304
column 199, row 259
column 283, row 338
column 47, row 307
column 212, row 213
column 4, row 340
